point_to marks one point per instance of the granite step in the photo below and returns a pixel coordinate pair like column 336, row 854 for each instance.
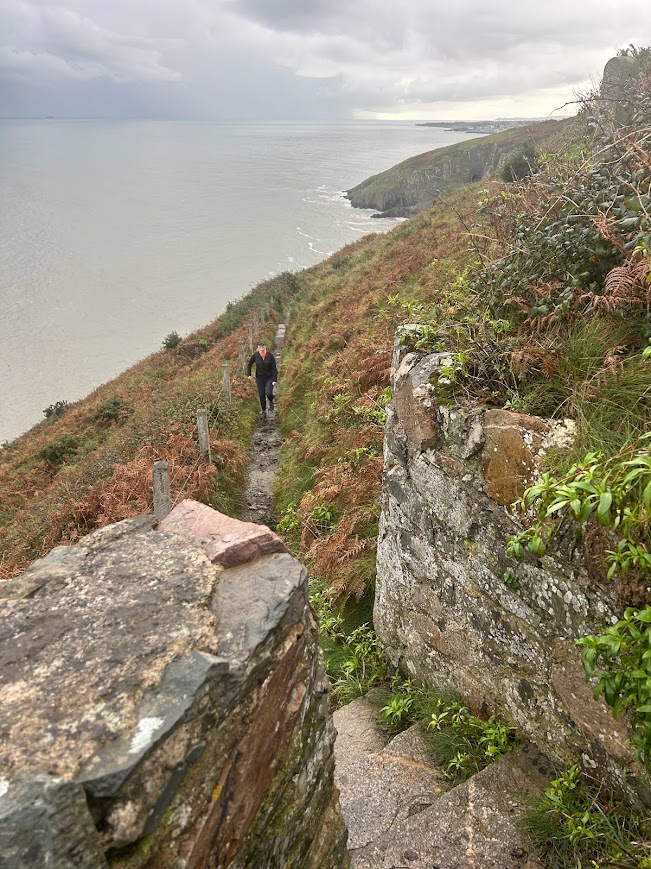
column 402, row 813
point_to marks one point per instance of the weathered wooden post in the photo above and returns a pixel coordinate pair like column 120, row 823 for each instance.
column 226, row 383
column 204, row 435
column 256, row 325
column 286, row 315
column 267, row 311
column 162, row 495
column 242, row 358
column 250, row 339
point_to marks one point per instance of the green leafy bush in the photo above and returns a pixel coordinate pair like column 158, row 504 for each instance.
column 171, row 341
column 620, row 660
column 112, row 410
column 60, row 450
column 56, row 409
column 615, row 491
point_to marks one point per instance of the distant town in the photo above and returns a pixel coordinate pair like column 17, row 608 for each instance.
column 496, row 126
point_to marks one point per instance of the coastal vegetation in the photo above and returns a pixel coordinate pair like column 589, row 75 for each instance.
column 89, row 463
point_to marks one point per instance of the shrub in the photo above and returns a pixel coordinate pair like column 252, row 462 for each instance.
column 171, row 341
column 60, row 450
column 55, row 409
column 112, row 410
column 520, row 163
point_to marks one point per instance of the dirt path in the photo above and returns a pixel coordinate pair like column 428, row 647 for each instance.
column 265, row 452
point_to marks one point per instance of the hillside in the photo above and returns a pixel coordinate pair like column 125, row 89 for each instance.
column 90, row 463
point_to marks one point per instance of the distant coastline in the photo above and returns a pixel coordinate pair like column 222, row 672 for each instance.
column 484, row 127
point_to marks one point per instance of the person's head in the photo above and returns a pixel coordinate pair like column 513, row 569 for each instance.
column 261, row 346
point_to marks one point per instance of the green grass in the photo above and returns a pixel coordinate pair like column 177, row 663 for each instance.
column 579, row 825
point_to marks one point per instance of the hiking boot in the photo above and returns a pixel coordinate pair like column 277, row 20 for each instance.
column 271, row 405
column 263, row 414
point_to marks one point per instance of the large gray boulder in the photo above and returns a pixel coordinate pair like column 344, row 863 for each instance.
column 160, row 710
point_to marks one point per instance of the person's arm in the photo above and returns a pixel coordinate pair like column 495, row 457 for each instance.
column 274, row 374
column 250, row 365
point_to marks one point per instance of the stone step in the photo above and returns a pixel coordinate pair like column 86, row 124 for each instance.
column 380, row 782
column 402, row 814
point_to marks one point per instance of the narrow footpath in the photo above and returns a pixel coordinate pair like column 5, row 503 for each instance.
column 400, row 810
column 265, row 453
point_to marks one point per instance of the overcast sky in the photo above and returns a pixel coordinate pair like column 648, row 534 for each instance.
column 307, row 59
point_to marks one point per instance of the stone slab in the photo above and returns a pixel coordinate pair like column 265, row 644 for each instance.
column 227, row 541
column 77, row 658
column 470, row 827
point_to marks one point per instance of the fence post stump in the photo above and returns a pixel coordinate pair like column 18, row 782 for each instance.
column 226, row 383
column 204, row 436
column 162, row 495
column 242, row 358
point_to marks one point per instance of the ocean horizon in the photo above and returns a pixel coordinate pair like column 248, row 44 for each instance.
column 115, row 233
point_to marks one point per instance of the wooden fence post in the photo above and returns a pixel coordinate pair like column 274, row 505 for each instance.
column 242, row 358
column 162, row 496
column 204, row 435
column 250, row 339
column 226, row 383
column 256, row 325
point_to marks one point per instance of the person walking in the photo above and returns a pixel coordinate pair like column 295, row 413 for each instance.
column 266, row 375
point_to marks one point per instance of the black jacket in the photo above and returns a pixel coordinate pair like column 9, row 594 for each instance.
column 265, row 369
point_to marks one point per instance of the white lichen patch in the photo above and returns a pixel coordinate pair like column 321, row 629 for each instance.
column 4, row 786
column 142, row 737
column 561, row 435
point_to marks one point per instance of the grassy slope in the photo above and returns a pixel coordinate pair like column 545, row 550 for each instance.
column 336, row 367
column 101, row 449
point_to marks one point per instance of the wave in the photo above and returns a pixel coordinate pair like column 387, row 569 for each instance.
column 304, row 234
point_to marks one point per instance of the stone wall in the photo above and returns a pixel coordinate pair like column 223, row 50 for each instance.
column 163, row 703
column 454, row 611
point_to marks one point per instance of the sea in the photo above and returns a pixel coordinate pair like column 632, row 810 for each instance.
column 115, row 233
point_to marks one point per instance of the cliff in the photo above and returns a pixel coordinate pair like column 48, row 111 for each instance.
column 415, row 183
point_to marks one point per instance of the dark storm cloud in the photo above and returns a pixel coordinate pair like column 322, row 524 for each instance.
column 308, row 58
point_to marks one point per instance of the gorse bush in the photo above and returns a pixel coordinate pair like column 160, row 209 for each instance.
column 112, row 410
column 56, row 409
column 60, row 450
column 172, row 341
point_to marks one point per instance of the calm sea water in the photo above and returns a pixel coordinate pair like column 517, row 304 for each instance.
column 113, row 234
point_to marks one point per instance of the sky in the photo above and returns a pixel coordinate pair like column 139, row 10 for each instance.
column 308, row 59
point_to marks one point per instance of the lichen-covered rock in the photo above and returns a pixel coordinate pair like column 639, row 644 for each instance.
column 182, row 708
column 454, row 611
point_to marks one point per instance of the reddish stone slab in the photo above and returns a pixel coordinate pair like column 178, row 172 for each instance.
column 226, row 541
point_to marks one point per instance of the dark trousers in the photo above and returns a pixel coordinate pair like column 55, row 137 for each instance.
column 265, row 391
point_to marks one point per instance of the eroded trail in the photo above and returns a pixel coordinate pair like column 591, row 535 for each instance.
column 265, row 455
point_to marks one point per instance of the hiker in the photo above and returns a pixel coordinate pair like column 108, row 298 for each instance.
column 266, row 375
